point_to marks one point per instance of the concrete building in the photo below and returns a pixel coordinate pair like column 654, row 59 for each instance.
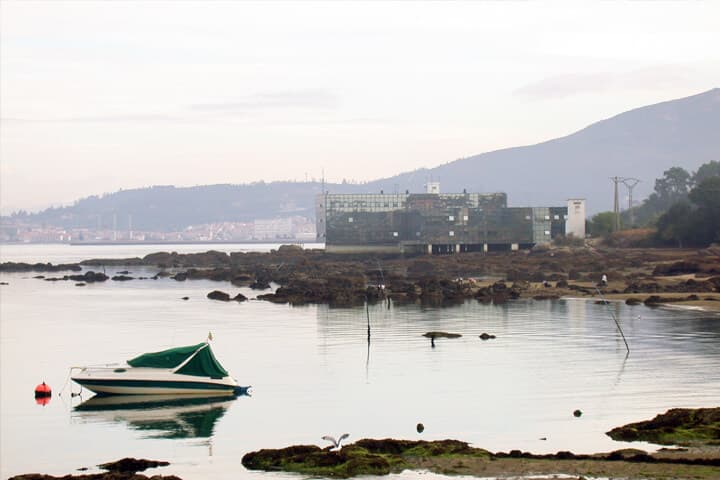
column 271, row 229
column 576, row 218
column 438, row 223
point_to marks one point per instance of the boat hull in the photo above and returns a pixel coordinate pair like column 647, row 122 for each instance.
column 152, row 387
column 150, row 381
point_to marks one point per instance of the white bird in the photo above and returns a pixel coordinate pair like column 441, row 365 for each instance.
column 336, row 443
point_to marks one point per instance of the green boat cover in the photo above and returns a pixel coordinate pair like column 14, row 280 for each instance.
column 204, row 364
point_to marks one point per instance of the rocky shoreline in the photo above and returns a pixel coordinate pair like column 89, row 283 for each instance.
column 385, row 456
column 649, row 276
column 697, row 427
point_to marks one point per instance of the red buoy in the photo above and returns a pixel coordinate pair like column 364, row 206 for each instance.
column 43, row 391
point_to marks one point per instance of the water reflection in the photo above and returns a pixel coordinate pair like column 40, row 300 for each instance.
column 158, row 416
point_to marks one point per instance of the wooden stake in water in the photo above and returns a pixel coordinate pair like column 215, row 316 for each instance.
column 607, row 304
column 367, row 310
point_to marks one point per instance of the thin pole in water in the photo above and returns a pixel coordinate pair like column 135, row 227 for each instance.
column 607, row 304
column 367, row 358
column 367, row 311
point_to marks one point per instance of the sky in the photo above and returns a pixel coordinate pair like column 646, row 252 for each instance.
column 101, row 96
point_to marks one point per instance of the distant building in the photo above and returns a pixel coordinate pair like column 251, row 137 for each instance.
column 439, row 223
column 273, row 229
column 432, row 187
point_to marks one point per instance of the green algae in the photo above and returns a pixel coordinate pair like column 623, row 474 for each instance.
column 678, row 426
column 382, row 457
column 365, row 457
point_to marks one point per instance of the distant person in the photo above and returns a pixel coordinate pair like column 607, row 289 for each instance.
column 603, row 281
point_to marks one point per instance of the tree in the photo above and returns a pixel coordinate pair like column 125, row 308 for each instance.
column 673, row 225
column 601, row 224
column 707, row 170
column 673, row 185
column 706, row 196
column 696, row 224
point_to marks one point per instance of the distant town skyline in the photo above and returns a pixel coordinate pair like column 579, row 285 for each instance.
column 101, row 96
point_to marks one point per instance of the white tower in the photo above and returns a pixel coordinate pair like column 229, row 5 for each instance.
column 575, row 223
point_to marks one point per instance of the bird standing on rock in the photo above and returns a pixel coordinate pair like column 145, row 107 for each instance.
column 336, row 443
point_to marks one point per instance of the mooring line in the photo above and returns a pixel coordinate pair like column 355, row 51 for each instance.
column 607, row 304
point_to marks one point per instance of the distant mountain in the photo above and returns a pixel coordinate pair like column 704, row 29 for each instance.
column 641, row 143
column 168, row 208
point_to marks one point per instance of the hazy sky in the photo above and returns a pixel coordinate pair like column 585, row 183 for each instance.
column 98, row 96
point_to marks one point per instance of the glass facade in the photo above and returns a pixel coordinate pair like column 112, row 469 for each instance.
column 365, row 202
column 424, row 219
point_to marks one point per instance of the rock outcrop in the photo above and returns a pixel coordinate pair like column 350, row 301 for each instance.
column 225, row 297
column 38, row 267
column 678, row 426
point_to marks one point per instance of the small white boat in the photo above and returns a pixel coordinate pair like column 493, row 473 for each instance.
column 182, row 370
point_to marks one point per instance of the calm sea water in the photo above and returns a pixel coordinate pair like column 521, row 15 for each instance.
column 313, row 374
column 64, row 253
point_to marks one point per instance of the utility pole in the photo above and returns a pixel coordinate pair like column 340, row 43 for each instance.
column 630, row 183
column 616, row 205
